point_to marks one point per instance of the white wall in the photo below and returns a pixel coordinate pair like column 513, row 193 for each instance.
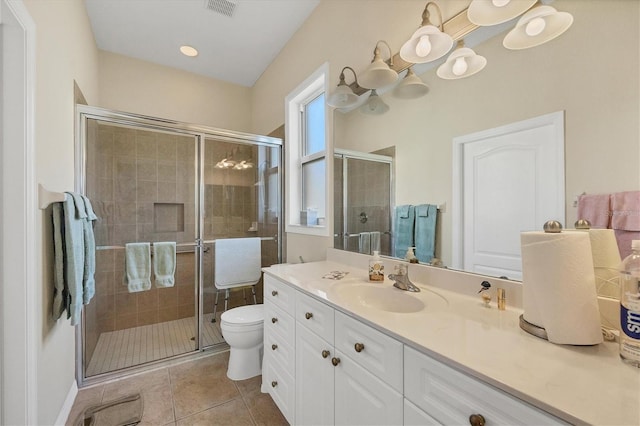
column 594, row 78
column 133, row 85
column 66, row 52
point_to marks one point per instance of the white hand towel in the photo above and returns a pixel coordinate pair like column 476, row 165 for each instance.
column 138, row 266
column 164, row 263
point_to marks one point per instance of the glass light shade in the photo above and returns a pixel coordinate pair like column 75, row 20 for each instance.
column 555, row 23
column 490, row 12
column 411, row 87
column 377, row 74
column 374, row 105
column 474, row 63
column 342, row 97
column 440, row 44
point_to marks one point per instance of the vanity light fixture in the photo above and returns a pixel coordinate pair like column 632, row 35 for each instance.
column 378, row 74
column 188, row 50
column 343, row 96
column 539, row 25
column 463, row 62
column 494, row 12
column 429, row 42
column 374, row 105
column 411, row 86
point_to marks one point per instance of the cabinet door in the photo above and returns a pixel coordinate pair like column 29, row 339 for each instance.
column 314, row 379
column 363, row 399
column 413, row 416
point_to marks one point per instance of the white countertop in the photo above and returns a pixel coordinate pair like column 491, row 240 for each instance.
column 579, row 384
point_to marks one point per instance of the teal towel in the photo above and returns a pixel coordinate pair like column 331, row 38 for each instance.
column 403, row 226
column 137, row 259
column 364, row 244
column 88, row 281
column 164, row 263
column 425, row 232
column 74, row 219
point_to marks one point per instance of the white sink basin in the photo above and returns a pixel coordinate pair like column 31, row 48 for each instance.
column 387, row 298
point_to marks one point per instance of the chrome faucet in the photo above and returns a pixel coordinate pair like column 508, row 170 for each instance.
column 401, row 279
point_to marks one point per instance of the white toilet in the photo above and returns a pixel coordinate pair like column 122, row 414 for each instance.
column 242, row 328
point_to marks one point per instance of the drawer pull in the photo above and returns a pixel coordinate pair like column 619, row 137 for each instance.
column 308, row 315
column 325, row 353
column 274, row 347
column 274, row 384
column 335, row 361
column 274, row 320
column 274, row 293
column 359, row 347
column 476, row 420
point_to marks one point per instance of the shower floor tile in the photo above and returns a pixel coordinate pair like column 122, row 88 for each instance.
column 137, row 345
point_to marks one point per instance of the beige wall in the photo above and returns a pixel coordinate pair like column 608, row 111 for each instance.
column 133, row 85
column 65, row 51
column 594, row 79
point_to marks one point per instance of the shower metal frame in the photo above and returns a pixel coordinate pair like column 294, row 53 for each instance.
column 345, row 155
column 200, row 133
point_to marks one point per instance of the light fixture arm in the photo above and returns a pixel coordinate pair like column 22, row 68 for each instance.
column 342, row 82
column 376, row 53
column 426, row 15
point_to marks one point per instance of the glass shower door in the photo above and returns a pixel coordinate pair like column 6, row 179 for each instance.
column 143, row 184
column 241, row 200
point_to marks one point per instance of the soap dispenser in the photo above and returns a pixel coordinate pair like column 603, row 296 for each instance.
column 410, row 256
column 376, row 268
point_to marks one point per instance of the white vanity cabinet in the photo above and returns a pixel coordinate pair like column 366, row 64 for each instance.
column 451, row 397
column 332, row 387
column 278, row 367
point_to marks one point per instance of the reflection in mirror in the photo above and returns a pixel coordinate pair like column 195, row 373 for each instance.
column 601, row 107
column 363, row 201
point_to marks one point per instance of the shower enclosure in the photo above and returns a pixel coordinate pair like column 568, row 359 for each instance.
column 363, row 200
column 153, row 180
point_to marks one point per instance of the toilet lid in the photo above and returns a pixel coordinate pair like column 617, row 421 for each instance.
column 245, row 315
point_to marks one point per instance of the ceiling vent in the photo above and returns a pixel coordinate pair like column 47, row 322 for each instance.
column 223, row 7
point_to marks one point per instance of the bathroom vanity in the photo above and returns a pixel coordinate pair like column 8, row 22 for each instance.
column 347, row 351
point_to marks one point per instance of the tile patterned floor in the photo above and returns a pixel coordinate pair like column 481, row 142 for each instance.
column 137, row 345
column 192, row 393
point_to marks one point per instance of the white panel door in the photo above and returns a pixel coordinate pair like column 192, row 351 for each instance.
column 512, row 180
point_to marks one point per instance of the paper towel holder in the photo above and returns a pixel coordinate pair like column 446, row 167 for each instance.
column 532, row 328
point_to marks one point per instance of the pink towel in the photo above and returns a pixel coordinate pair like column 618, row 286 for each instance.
column 625, row 211
column 624, row 239
column 596, row 209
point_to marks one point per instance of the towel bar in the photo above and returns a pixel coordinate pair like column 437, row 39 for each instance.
column 46, row 197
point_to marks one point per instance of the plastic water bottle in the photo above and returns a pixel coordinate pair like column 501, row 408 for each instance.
column 630, row 307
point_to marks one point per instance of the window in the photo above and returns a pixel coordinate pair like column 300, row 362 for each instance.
column 306, row 156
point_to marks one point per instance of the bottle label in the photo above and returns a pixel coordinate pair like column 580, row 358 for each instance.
column 630, row 322
column 376, row 271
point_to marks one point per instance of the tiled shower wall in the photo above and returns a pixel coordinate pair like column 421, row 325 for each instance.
column 142, row 186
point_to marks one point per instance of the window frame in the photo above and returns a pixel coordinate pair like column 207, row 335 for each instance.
column 312, row 87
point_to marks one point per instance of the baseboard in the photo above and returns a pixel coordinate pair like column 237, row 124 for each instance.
column 63, row 415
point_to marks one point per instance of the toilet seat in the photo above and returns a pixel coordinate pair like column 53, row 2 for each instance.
column 243, row 316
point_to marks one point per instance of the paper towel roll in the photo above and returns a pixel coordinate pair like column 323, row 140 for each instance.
column 606, row 261
column 559, row 291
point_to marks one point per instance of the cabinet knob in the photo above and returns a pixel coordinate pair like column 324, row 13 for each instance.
column 308, row 315
column 274, row 293
column 274, row 347
column 359, row 347
column 335, row 361
column 476, row 420
column 325, row 353
column 274, row 320
column 274, row 384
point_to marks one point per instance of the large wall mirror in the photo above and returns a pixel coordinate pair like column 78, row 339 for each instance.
column 591, row 75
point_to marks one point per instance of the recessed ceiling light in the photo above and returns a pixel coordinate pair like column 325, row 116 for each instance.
column 188, row 50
